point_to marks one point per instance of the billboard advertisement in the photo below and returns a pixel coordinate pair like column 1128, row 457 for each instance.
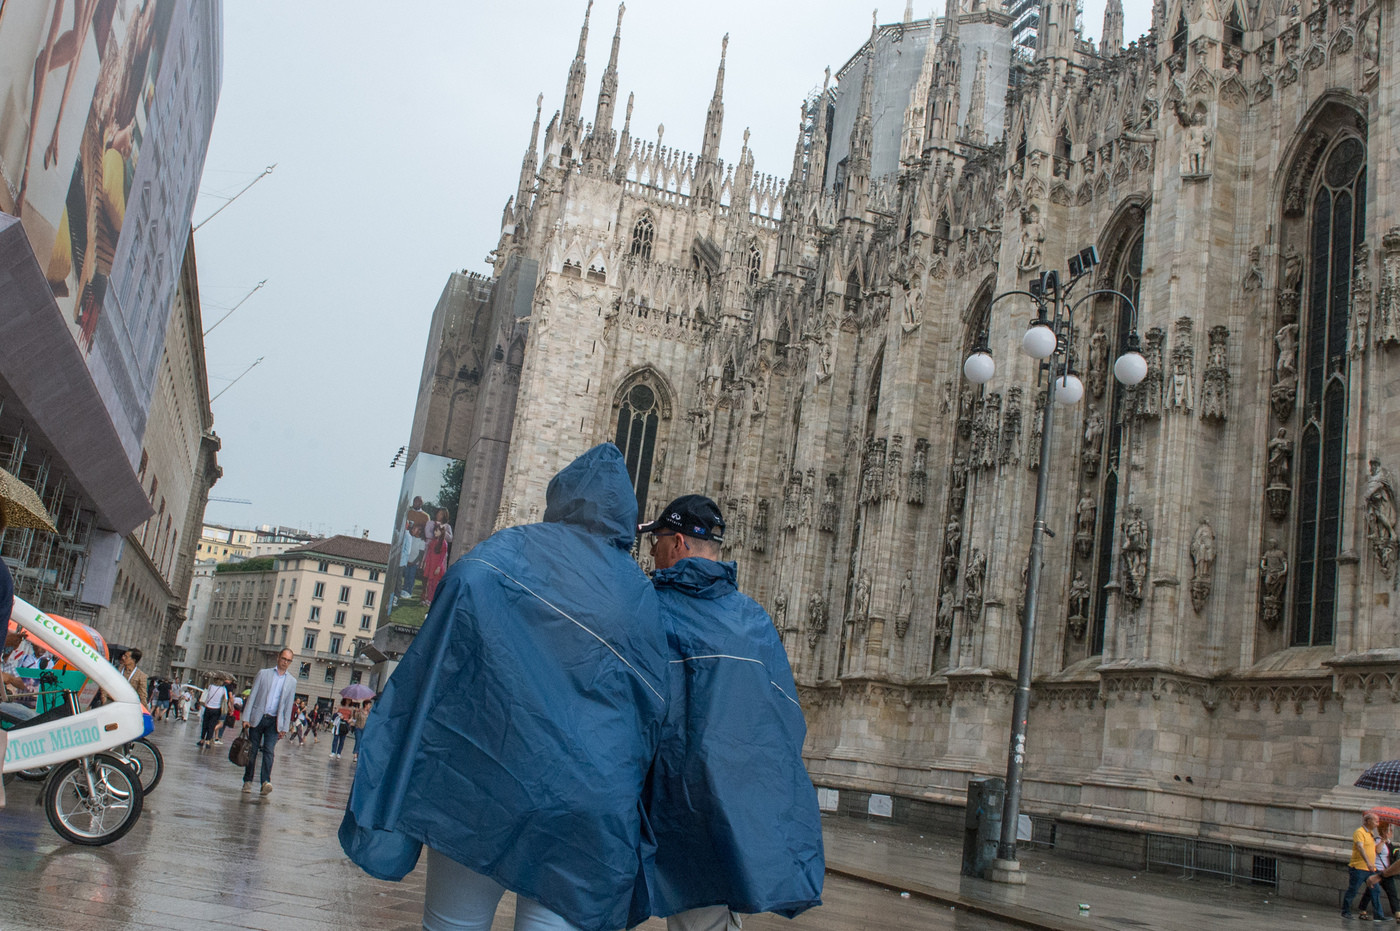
column 420, row 549
column 106, row 107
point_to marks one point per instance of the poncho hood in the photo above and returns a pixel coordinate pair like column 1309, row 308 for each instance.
column 699, row 578
column 594, row 494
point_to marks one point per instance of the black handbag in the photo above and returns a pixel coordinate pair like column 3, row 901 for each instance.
column 240, row 750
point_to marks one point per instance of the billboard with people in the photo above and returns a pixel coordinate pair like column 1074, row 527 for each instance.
column 421, row 547
column 106, row 107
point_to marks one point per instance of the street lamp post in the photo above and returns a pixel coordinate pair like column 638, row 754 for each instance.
column 1047, row 340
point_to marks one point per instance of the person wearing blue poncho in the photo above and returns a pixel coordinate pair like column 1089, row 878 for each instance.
column 735, row 818
column 514, row 737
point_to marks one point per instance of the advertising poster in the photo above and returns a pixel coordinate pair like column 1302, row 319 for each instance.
column 102, row 142
column 420, row 549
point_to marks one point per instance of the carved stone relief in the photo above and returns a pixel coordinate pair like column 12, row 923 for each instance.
column 1202, row 564
column 894, row 473
column 1284, row 392
column 1010, row 451
column 1381, row 516
column 780, row 606
column 860, row 603
column 1078, row 605
column 1092, row 451
column 1135, row 548
column 918, row 472
column 816, row 619
column 1273, row 581
column 1149, row 393
column 826, row 517
column 904, row 608
column 1037, row 429
column 1181, row 383
column 1279, row 489
column 758, row 539
column 873, row 475
column 974, row 585
column 1387, row 322
column 1098, row 362
column 1215, row 388
column 1086, row 516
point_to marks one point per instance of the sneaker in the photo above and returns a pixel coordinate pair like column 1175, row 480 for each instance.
column 218, row 743
column 247, row 788
column 267, row 788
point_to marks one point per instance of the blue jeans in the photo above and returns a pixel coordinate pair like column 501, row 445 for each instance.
column 337, row 743
column 1356, row 882
column 264, row 738
column 459, row 899
column 356, row 734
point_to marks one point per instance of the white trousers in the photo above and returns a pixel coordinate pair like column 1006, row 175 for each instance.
column 459, row 899
column 710, row 918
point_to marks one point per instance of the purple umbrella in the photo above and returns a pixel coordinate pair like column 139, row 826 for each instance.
column 357, row 692
column 1383, row 776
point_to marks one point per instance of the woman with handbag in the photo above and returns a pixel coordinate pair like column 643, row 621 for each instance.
column 215, row 707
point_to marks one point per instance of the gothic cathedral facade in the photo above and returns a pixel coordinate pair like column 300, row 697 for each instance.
column 1218, row 647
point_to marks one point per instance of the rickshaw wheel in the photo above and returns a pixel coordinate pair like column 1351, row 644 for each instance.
column 143, row 757
column 81, row 816
column 34, row 775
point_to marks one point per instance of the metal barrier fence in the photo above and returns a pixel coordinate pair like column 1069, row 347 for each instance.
column 1196, row 857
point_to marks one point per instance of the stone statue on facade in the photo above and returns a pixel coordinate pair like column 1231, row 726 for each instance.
column 809, row 481
column 1078, row 605
column 826, row 517
column 1032, row 239
column 1098, row 361
column 918, row 472
column 1290, row 285
column 1381, row 516
column 1195, row 148
column 780, row 612
column 1273, row 580
column 943, row 621
column 1279, row 490
column 816, row 619
column 1181, row 385
column 1215, row 387
column 974, row 583
column 905, row 606
column 1086, row 513
column 952, row 547
column 1092, row 452
column 1285, row 387
column 1135, row 543
column 1202, row 564
column 860, row 604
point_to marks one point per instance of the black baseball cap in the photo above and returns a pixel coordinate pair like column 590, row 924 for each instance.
column 693, row 515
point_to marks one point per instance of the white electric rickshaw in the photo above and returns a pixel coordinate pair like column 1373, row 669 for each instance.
column 91, row 796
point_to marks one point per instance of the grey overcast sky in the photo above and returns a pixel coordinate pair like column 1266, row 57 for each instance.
column 398, row 130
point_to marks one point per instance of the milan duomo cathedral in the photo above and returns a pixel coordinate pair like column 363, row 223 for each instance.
column 1217, row 654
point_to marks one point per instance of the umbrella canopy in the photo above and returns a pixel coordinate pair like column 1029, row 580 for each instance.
column 1387, row 815
column 357, row 692
column 21, row 506
column 1383, row 776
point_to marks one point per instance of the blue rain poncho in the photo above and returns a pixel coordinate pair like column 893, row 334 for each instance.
column 517, row 731
column 732, row 808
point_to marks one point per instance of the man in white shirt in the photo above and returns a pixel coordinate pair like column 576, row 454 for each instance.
column 213, row 704
column 267, row 716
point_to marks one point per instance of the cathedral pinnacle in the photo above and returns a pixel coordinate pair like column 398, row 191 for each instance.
column 599, row 145
column 714, row 117
column 529, row 165
column 1112, row 42
column 573, row 91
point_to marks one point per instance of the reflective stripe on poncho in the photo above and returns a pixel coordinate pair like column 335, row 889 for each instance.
column 516, row 732
column 733, row 811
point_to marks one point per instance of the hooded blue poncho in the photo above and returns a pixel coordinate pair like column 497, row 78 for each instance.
column 733, row 811
column 516, row 733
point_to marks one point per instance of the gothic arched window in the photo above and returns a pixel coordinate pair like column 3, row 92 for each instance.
column 642, row 234
column 1234, row 28
column 1335, row 229
column 1127, row 278
column 638, row 418
column 755, row 264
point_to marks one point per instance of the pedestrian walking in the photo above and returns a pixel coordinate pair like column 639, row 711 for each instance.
column 515, row 734
column 267, row 715
column 339, row 726
column 732, row 711
column 358, row 722
column 230, row 718
column 163, row 693
column 214, row 705
column 1362, row 866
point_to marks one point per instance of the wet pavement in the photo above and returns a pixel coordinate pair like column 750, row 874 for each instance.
column 205, row 856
